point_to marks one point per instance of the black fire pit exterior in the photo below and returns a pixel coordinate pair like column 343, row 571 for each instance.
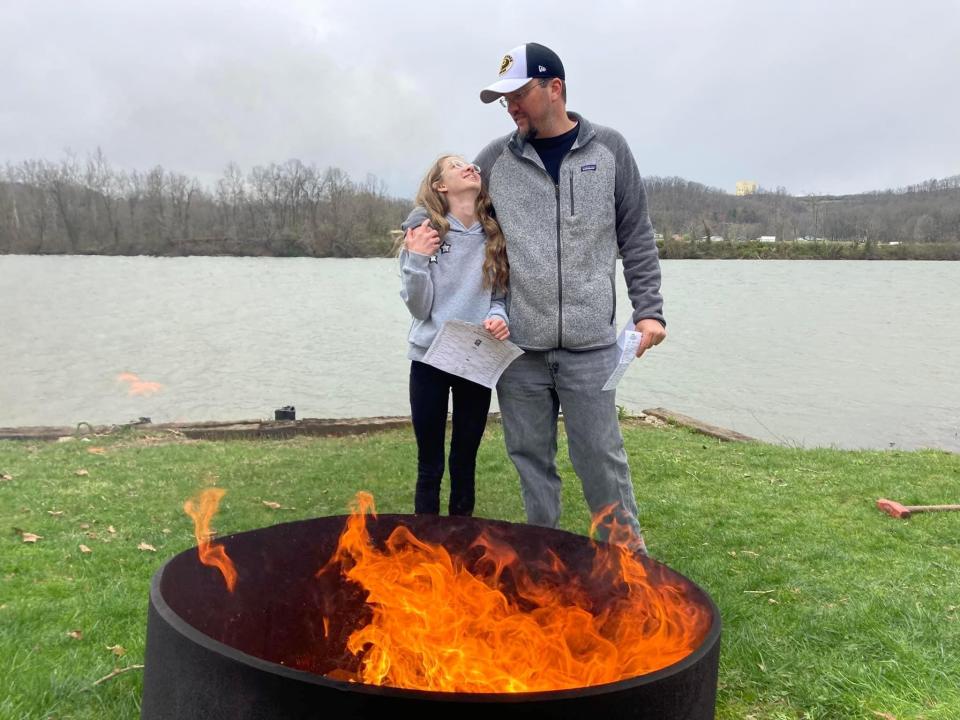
column 261, row 652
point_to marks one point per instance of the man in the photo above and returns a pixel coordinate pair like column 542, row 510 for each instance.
column 569, row 198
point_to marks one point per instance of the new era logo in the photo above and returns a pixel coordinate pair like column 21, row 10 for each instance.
column 542, row 68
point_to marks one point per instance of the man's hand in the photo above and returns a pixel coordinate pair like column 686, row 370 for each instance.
column 654, row 333
column 497, row 327
column 422, row 239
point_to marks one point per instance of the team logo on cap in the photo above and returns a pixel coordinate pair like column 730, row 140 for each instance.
column 506, row 63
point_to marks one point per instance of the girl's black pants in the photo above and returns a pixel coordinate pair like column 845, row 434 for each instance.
column 430, row 390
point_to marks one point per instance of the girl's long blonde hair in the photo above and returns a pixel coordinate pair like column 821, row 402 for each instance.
column 496, row 269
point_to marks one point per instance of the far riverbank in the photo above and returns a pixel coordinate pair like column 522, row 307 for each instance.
column 801, row 250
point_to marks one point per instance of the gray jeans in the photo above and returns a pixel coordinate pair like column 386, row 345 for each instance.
column 531, row 392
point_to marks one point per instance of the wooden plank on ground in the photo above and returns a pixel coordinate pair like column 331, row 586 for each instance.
column 675, row 418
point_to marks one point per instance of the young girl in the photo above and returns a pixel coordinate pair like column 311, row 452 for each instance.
column 453, row 267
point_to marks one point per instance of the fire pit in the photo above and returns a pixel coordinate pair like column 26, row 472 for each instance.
column 277, row 645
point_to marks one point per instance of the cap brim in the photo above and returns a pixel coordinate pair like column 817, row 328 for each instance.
column 500, row 88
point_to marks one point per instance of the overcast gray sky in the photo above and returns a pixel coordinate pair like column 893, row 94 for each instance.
column 817, row 96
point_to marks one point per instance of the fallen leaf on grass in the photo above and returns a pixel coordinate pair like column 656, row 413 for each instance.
column 91, row 534
column 97, row 451
column 85, row 550
column 117, row 650
column 166, row 531
column 75, row 634
column 6, row 476
column 884, row 715
column 84, row 526
column 55, row 513
column 272, row 505
column 111, row 530
column 81, row 472
column 28, row 537
column 146, row 547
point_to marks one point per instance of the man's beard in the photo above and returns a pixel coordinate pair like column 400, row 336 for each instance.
column 529, row 134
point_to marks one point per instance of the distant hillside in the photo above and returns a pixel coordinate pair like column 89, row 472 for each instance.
column 924, row 213
column 296, row 209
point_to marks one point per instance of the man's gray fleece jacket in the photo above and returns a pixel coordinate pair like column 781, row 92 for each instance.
column 563, row 239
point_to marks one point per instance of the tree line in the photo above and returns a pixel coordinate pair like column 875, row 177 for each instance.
column 925, row 213
column 294, row 209
column 288, row 209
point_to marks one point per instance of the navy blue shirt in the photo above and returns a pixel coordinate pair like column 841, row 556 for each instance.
column 553, row 150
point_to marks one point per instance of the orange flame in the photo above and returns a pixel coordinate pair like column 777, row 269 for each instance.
column 138, row 386
column 610, row 526
column 438, row 626
column 202, row 510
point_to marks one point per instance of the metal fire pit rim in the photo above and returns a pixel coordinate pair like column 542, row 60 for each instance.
column 181, row 626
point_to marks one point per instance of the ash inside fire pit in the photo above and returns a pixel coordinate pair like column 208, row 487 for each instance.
column 279, row 646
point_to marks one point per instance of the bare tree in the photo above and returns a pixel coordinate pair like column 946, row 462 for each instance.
column 103, row 187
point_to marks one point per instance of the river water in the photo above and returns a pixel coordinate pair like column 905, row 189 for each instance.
column 807, row 353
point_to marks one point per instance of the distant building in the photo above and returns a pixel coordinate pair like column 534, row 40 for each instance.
column 767, row 238
column 746, row 187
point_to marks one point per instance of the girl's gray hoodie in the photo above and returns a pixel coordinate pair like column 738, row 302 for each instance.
column 446, row 286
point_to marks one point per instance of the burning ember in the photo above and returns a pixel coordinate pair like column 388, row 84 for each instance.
column 138, row 386
column 202, row 510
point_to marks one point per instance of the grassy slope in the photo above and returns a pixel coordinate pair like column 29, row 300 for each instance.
column 830, row 609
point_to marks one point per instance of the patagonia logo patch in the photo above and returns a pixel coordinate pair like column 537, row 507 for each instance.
column 588, row 168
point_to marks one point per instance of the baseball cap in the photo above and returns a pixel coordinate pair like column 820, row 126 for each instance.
column 521, row 65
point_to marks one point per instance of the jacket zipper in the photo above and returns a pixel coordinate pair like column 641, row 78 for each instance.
column 573, row 207
column 559, row 273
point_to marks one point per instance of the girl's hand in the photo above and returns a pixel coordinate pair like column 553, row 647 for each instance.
column 497, row 327
column 423, row 239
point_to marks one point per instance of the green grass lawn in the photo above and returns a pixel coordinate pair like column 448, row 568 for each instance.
column 830, row 608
